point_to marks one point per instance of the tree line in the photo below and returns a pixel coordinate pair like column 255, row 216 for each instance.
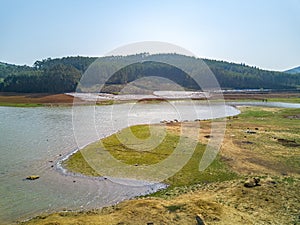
column 56, row 79
column 63, row 74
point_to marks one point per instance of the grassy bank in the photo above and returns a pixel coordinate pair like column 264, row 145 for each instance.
column 273, row 97
column 264, row 141
column 267, row 99
column 21, row 104
column 144, row 155
column 288, row 100
column 260, row 142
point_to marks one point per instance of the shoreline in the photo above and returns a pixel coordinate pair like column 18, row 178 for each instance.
column 12, row 99
column 64, row 171
column 236, row 105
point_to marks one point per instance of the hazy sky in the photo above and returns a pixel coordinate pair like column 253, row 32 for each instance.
column 264, row 33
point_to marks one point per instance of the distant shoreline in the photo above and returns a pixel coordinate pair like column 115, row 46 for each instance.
column 34, row 99
column 49, row 99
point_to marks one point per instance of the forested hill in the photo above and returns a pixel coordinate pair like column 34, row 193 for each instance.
column 294, row 70
column 63, row 74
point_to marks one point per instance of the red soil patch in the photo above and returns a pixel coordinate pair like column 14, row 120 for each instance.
column 35, row 98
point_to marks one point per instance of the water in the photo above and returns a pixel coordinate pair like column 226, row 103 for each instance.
column 32, row 140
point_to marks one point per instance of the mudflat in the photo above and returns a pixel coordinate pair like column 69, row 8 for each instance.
column 34, row 99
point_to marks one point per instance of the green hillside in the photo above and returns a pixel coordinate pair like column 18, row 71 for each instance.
column 294, row 70
column 63, row 74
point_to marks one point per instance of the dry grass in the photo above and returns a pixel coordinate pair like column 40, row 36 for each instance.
column 218, row 203
column 261, row 152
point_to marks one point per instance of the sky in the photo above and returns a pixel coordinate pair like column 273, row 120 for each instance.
column 262, row 33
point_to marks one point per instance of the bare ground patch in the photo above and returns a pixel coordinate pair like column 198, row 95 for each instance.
column 35, row 98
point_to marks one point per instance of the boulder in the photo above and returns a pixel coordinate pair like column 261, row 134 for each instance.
column 250, row 132
column 252, row 182
column 199, row 220
column 32, row 177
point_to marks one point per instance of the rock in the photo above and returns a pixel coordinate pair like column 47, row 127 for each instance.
column 288, row 143
column 250, row 132
column 208, row 136
column 252, row 182
column 199, row 220
column 247, row 142
column 32, row 177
